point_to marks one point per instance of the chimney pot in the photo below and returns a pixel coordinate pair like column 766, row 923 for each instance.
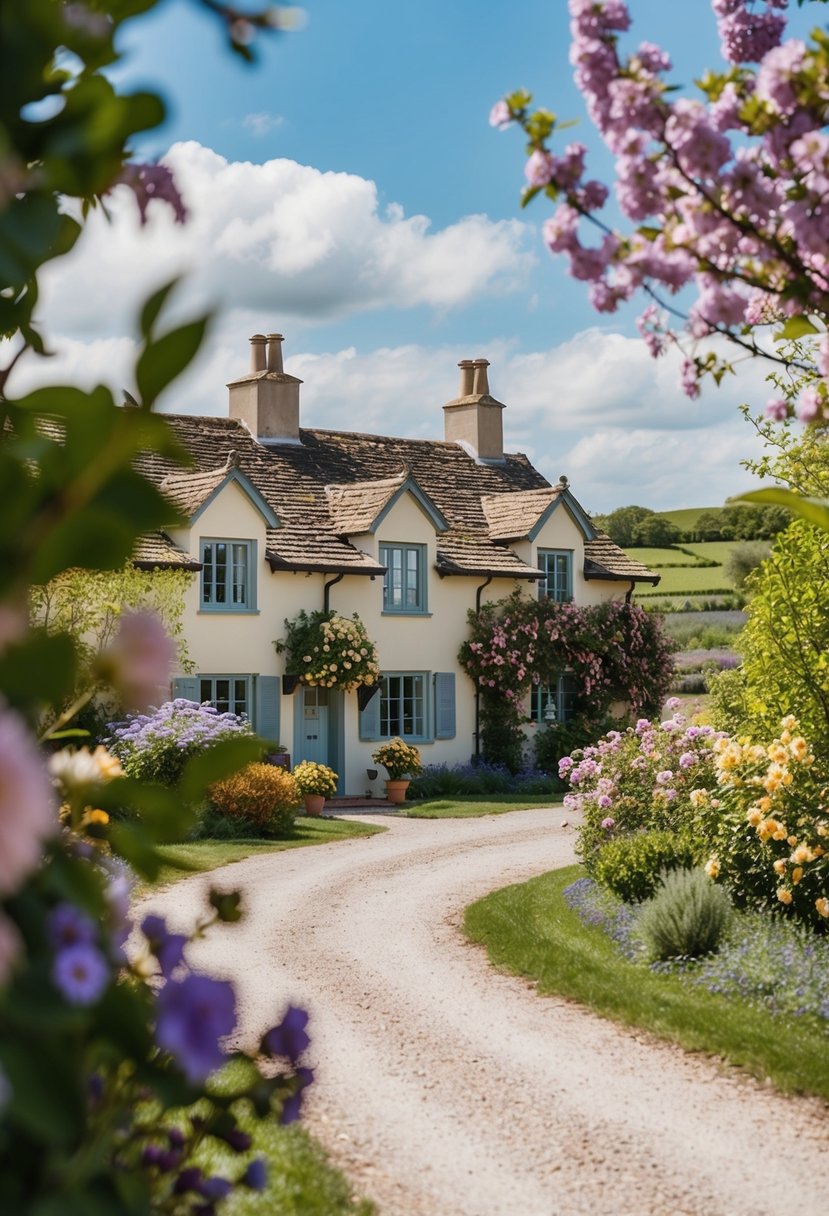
column 275, row 353
column 257, row 353
column 466, row 366
column 480, row 382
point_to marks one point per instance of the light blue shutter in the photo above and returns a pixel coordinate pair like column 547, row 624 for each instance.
column 267, row 707
column 186, row 687
column 444, row 704
column 370, row 718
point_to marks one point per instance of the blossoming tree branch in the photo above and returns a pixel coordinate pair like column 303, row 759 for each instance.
column 726, row 192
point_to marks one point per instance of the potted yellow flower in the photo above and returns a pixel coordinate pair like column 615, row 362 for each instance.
column 401, row 761
column 315, row 782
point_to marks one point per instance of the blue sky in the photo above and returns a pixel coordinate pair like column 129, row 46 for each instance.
column 349, row 192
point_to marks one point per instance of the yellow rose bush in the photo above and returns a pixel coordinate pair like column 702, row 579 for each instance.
column 771, row 833
column 262, row 795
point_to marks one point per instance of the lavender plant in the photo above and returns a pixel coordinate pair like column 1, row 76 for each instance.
column 156, row 746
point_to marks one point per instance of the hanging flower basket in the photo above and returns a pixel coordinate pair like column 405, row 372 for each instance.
column 325, row 650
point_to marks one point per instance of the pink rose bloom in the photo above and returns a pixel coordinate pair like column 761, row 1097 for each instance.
column 138, row 662
column 28, row 811
column 608, row 823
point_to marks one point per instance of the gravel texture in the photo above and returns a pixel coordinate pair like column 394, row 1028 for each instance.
column 445, row 1088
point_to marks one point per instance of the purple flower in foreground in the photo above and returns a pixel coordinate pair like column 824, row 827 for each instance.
column 293, row 1104
column 289, row 1037
column 80, row 973
column 167, row 947
column 68, row 926
column 193, row 1014
column 256, row 1175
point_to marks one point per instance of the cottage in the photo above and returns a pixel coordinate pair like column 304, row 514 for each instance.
column 408, row 533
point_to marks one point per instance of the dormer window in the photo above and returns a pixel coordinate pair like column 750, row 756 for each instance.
column 557, row 583
column 228, row 579
column 404, row 586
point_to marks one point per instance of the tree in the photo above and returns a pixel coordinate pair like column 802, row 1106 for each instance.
column 655, row 531
column 710, row 525
column 622, row 523
column 743, row 559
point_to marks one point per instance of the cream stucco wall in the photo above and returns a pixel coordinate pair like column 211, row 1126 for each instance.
column 241, row 643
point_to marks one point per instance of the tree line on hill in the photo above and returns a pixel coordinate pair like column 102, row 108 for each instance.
column 635, row 526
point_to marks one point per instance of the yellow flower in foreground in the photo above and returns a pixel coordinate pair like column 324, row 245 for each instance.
column 780, row 866
column 784, row 896
column 754, row 816
column 94, row 815
column 797, row 874
column 822, row 906
column 712, row 867
column 802, row 853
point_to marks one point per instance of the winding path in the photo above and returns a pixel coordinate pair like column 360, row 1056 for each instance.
column 445, row 1088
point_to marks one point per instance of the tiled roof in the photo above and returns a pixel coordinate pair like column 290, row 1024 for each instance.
column 156, row 550
column 333, row 484
column 353, row 508
column 604, row 559
column 513, row 516
column 188, row 491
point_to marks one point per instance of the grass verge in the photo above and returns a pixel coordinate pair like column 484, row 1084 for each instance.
column 471, row 806
column 529, row 930
column 200, row 855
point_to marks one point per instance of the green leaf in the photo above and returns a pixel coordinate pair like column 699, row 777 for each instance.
column 814, row 510
column 54, row 660
column 796, row 327
column 153, row 306
column 528, row 194
column 167, row 358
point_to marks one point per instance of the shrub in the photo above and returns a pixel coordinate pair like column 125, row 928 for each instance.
column 630, row 866
column 157, row 745
column 651, row 776
column 447, row 781
column 768, row 825
column 686, row 918
column 264, row 796
column 554, row 742
column 313, row 778
column 329, row 650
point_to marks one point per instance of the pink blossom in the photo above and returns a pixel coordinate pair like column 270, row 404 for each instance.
column 810, row 405
column 609, row 823
column 776, row 409
column 774, row 78
column 539, row 169
column 138, row 662
column 500, row 115
column 28, row 812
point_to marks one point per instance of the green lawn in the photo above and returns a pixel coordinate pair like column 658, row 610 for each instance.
column 529, row 930
column 200, row 855
column 471, row 806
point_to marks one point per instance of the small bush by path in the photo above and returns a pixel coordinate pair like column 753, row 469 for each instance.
column 530, row 930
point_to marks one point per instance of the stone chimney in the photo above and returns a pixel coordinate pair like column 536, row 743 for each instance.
column 474, row 418
column 266, row 399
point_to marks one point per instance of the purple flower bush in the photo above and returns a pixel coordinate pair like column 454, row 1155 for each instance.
column 156, row 746
column 654, row 775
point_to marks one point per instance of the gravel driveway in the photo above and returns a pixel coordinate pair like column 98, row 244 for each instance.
column 447, row 1089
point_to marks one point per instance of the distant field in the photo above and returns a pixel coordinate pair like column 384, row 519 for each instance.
column 662, row 557
column 693, row 579
column 713, row 550
column 686, row 517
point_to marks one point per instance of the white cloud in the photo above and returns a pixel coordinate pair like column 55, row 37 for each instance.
column 281, row 237
column 262, row 123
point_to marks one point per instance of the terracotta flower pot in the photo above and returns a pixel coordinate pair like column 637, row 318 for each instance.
column 314, row 803
column 396, row 791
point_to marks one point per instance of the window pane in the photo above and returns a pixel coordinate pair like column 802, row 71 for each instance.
column 240, row 574
column 205, row 690
column 411, row 578
column 240, row 696
column 220, row 573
